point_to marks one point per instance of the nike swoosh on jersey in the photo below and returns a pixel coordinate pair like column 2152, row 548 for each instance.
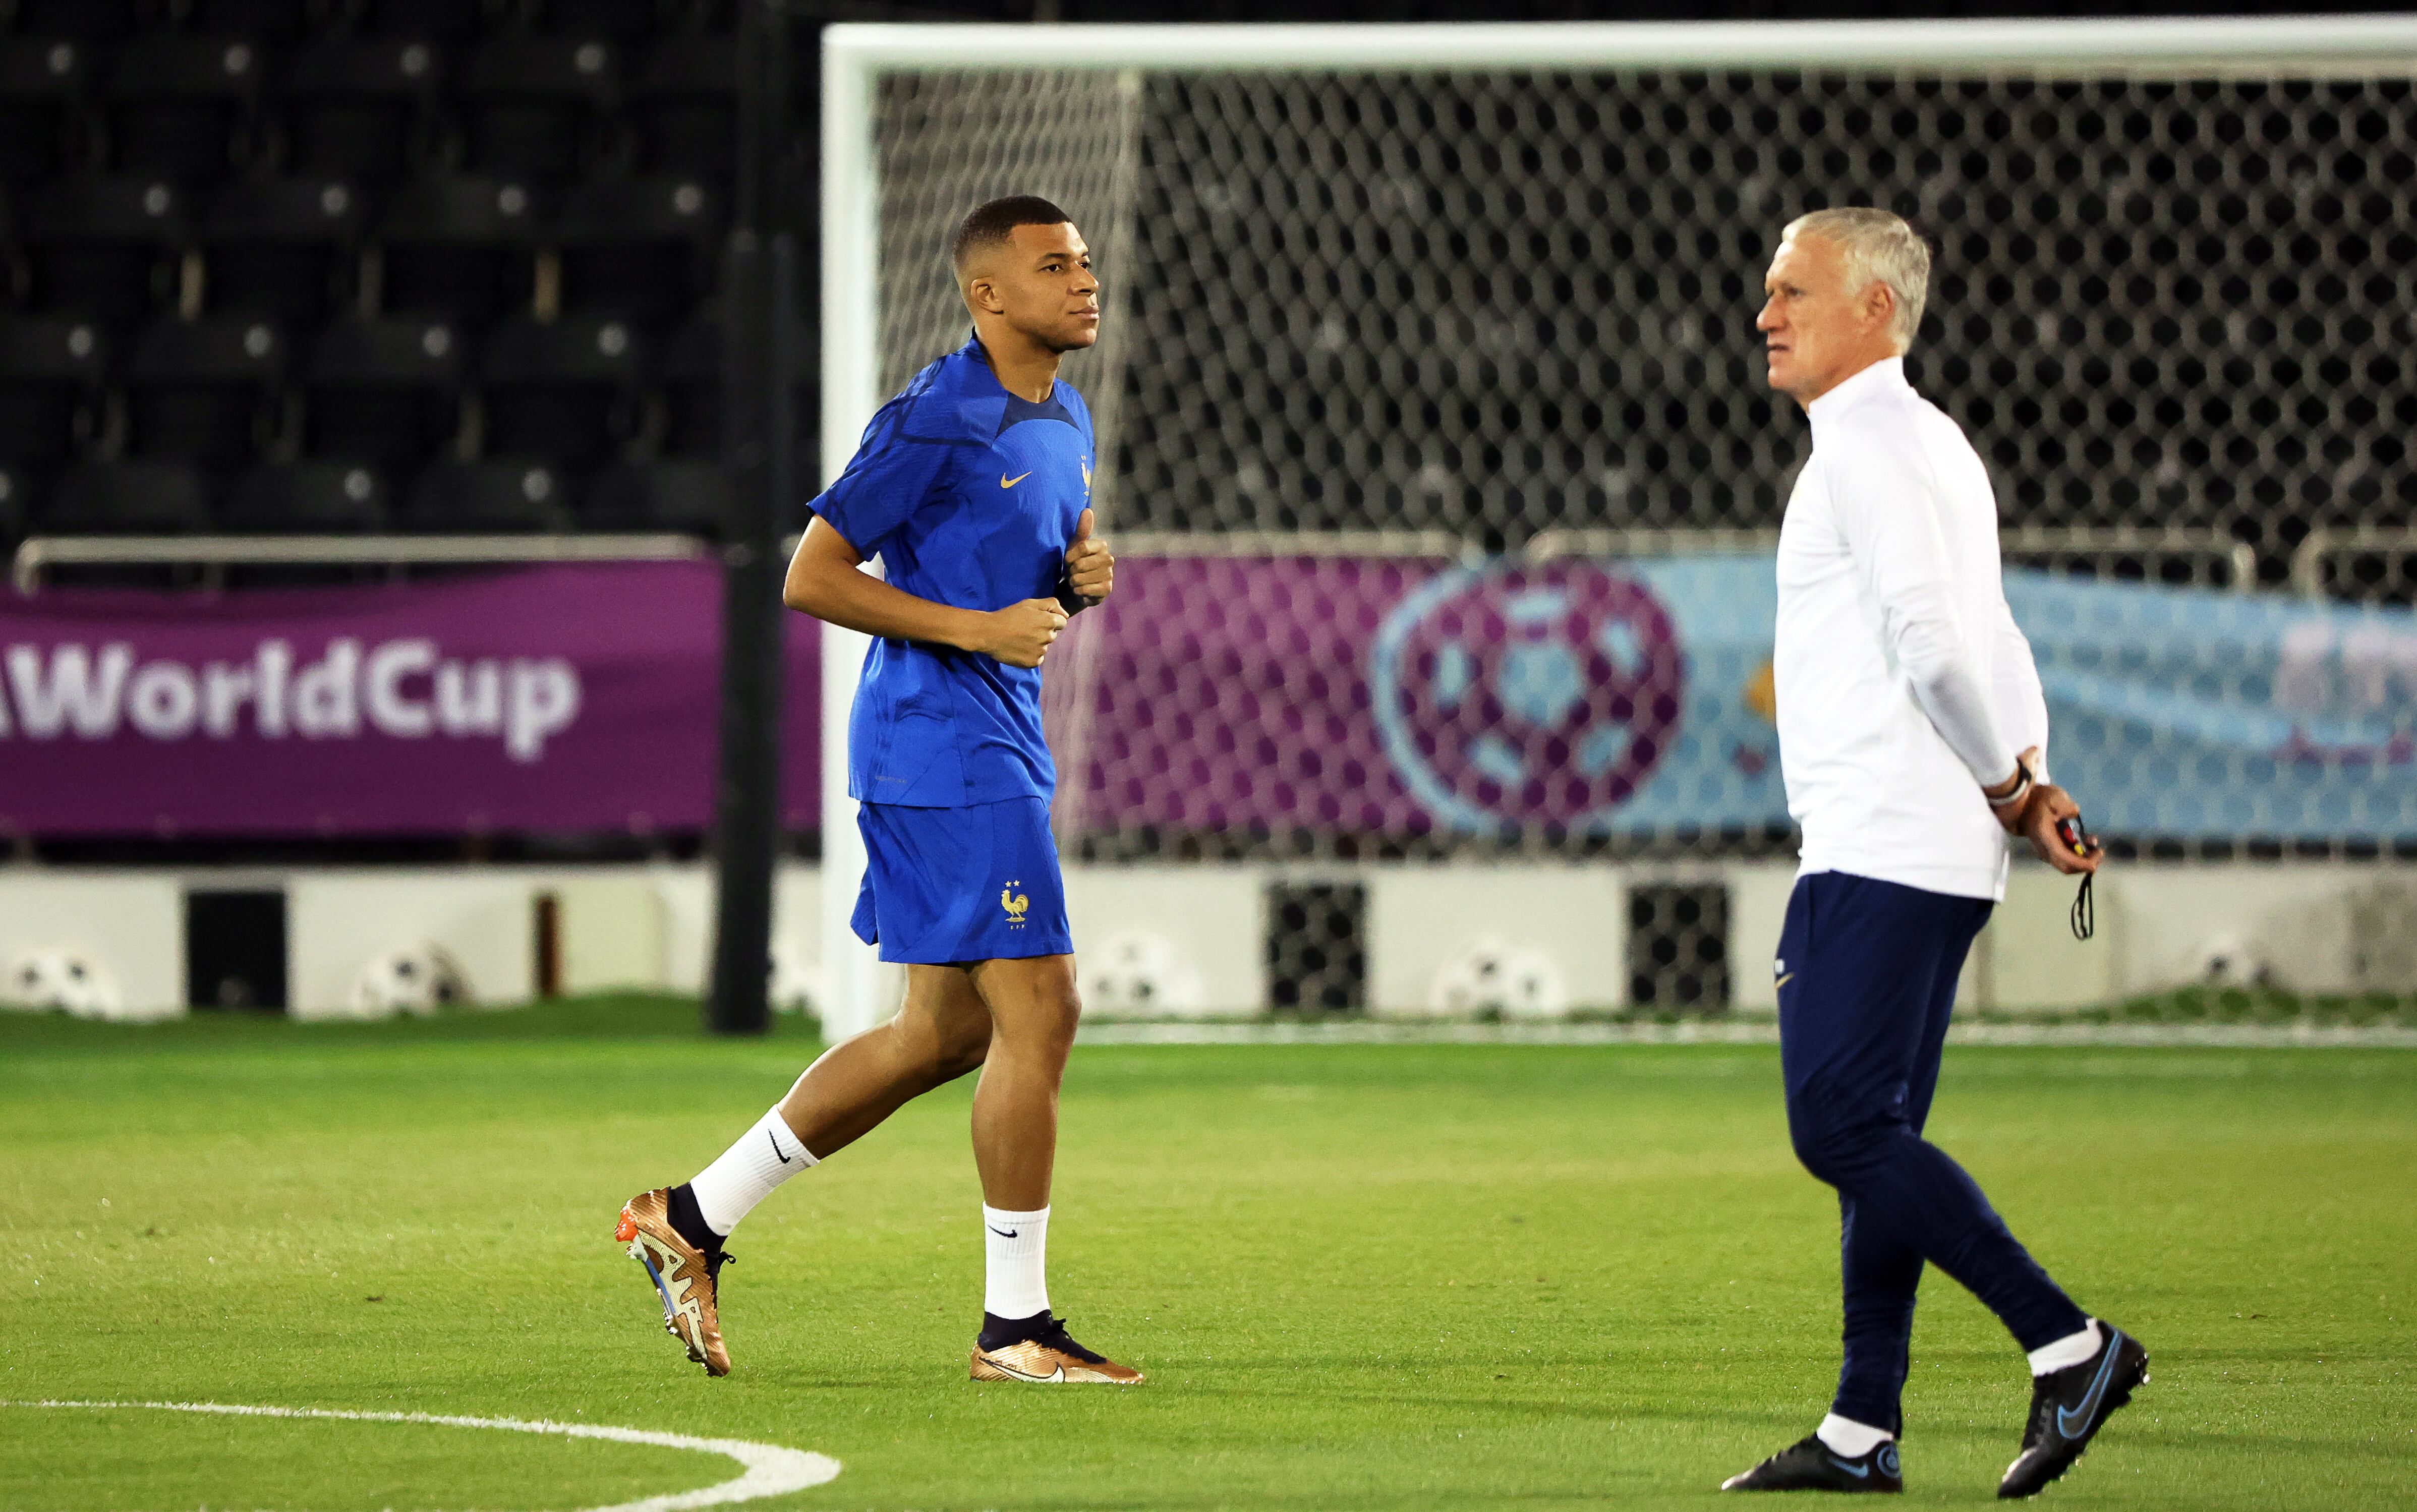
column 1007, row 482
column 2066, row 1417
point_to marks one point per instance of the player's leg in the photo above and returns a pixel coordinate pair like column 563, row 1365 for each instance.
column 675, row 1233
column 1033, row 1009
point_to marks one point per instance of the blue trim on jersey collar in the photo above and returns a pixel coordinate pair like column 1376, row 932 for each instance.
column 1019, row 409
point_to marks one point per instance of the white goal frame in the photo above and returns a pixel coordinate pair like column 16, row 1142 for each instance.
column 855, row 56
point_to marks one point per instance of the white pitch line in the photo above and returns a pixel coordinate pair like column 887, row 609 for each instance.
column 771, row 1470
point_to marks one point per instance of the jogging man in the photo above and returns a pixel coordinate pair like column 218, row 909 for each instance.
column 973, row 487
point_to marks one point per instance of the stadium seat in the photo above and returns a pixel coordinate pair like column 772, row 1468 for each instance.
column 565, row 391
column 88, row 21
column 387, row 392
column 683, row 107
column 443, row 21
column 307, row 499
column 639, row 247
column 176, row 102
column 52, row 371
column 359, row 108
column 531, row 106
column 202, row 392
column 15, row 494
column 268, row 21
column 515, row 496
column 127, row 498
column 691, row 388
column 42, row 85
column 461, row 248
column 101, row 248
column 688, row 496
column 281, row 248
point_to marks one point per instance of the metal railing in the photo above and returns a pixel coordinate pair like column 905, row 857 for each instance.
column 2324, row 545
column 213, row 554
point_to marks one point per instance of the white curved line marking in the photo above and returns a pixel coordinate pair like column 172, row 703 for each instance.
column 771, row 1470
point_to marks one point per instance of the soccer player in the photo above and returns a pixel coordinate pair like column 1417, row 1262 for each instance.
column 1911, row 733
column 973, row 486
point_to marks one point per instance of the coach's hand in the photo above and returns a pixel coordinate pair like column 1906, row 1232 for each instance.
column 1019, row 634
column 2048, row 805
column 1090, row 569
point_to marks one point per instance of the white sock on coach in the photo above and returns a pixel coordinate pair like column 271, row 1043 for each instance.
column 1850, row 1438
column 1015, row 1262
column 2068, row 1351
column 745, row 1174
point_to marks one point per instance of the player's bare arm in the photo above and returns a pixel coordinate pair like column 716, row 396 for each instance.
column 823, row 581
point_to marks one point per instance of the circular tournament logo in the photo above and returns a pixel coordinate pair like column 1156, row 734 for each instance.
column 1515, row 695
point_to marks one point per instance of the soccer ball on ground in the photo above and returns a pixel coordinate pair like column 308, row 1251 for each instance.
column 2228, row 960
column 1496, row 980
column 1139, row 973
column 418, row 980
column 61, row 980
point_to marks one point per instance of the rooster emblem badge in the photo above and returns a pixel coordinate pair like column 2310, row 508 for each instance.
column 1015, row 902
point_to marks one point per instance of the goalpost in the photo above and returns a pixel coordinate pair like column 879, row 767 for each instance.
column 2090, row 167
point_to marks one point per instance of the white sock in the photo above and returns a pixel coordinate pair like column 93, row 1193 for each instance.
column 1015, row 1262
column 1852, row 1439
column 2068, row 1351
column 745, row 1174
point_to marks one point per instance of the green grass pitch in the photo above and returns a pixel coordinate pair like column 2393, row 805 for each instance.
column 1360, row 1277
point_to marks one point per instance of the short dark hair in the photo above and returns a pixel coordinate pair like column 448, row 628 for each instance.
column 990, row 223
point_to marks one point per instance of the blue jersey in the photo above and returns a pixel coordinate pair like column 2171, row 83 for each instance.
column 971, row 496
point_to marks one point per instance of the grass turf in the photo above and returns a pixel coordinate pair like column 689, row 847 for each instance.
column 1360, row 1277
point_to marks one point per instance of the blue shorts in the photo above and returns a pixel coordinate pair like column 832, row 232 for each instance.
column 943, row 886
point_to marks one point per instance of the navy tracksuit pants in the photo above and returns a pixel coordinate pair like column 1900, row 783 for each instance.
column 1866, row 973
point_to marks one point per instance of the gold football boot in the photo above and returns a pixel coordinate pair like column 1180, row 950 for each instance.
column 682, row 1274
column 1049, row 1358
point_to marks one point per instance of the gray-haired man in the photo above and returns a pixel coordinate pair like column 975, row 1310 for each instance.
column 1911, row 736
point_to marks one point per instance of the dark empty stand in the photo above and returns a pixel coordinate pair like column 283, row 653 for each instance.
column 385, row 392
column 683, row 107
column 688, row 496
column 533, row 106
column 359, row 108
column 307, row 499
column 566, row 391
column 639, row 247
column 43, row 85
column 621, row 20
column 179, row 106
column 52, row 371
column 15, row 490
column 488, row 497
column 127, row 498
column 204, row 391
column 267, row 21
column 444, row 21
column 461, row 247
column 692, row 390
column 95, row 20
column 103, row 248
column 282, row 249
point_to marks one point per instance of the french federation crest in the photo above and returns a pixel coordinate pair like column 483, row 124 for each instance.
column 1512, row 695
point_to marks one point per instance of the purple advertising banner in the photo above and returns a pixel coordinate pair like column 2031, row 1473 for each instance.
column 570, row 697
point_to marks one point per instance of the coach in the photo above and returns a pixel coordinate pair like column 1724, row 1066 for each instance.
column 1911, row 729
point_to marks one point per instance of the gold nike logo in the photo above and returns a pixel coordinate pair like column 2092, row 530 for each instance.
column 1007, row 482
column 1782, row 981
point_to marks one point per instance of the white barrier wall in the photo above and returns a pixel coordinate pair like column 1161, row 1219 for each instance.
column 1196, row 936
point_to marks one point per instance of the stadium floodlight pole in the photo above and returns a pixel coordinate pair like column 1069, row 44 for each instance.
column 759, row 367
column 857, row 55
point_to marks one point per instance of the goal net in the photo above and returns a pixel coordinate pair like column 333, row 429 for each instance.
column 1433, row 430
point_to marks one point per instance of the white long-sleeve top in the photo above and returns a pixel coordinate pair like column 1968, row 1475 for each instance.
column 1904, row 685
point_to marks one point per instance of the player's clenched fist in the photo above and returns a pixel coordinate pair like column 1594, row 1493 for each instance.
column 1019, row 634
column 1090, row 569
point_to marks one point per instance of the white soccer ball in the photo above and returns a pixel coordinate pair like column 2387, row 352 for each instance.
column 418, row 980
column 1139, row 973
column 63, row 980
column 2229, row 960
column 1493, row 979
